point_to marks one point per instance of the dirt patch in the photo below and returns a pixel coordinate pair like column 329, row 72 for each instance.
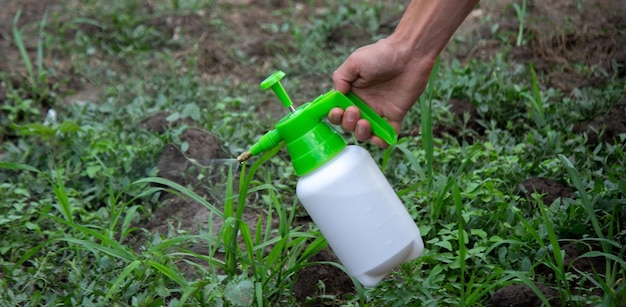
column 578, row 267
column 45, row 89
column 609, row 128
column 158, row 123
column 572, row 44
column 17, row 81
column 559, row 43
column 31, row 12
column 316, row 284
column 322, row 284
column 575, row 265
column 523, row 296
column 465, row 122
column 203, row 150
column 349, row 34
column 549, row 189
column 201, row 166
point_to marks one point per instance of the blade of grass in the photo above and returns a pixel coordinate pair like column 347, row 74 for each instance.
column 230, row 252
column 170, row 272
column 28, row 254
column 486, row 287
column 259, row 232
column 533, row 232
column 231, row 233
column 558, row 268
column 277, row 252
column 552, row 237
column 259, row 293
column 462, row 252
column 187, row 292
column 19, row 42
column 410, row 156
column 426, row 123
column 123, row 275
column 207, row 258
column 536, row 100
column 63, row 203
column 246, row 236
column 179, row 189
column 18, row 166
column 501, row 242
column 126, row 223
column 163, row 245
column 115, row 211
column 584, row 197
column 438, row 203
column 107, row 244
column 315, row 247
column 612, row 257
column 244, row 183
column 40, row 46
column 521, row 16
column 95, row 247
column 386, row 156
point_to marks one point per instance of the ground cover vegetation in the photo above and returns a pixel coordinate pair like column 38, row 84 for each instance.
column 120, row 119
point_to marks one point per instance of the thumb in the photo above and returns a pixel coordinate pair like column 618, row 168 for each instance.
column 344, row 76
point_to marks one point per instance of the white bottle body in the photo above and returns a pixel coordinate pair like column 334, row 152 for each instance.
column 360, row 215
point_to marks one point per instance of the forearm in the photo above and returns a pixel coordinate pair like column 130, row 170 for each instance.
column 427, row 25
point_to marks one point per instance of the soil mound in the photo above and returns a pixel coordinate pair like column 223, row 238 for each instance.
column 607, row 128
column 549, row 189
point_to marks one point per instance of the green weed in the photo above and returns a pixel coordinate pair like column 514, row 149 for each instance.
column 75, row 190
column 520, row 12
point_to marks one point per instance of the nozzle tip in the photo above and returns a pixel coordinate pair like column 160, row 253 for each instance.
column 244, row 157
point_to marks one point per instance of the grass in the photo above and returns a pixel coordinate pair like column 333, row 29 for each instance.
column 520, row 12
column 74, row 190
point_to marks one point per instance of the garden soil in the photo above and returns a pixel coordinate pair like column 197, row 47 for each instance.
column 559, row 36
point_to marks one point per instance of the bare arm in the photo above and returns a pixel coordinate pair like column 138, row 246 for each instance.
column 392, row 73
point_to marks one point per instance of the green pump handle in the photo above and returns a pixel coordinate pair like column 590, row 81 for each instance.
column 380, row 127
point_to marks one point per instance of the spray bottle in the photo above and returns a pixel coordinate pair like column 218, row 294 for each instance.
column 341, row 187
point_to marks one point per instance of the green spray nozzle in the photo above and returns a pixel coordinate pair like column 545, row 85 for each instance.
column 310, row 140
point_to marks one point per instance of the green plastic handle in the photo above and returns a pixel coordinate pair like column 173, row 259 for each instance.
column 380, row 126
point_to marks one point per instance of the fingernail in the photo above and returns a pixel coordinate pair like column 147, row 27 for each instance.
column 350, row 116
column 360, row 130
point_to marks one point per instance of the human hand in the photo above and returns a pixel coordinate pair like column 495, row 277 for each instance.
column 387, row 78
column 392, row 73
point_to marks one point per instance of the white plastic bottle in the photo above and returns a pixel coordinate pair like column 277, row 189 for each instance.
column 360, row 215
column 341, row 187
